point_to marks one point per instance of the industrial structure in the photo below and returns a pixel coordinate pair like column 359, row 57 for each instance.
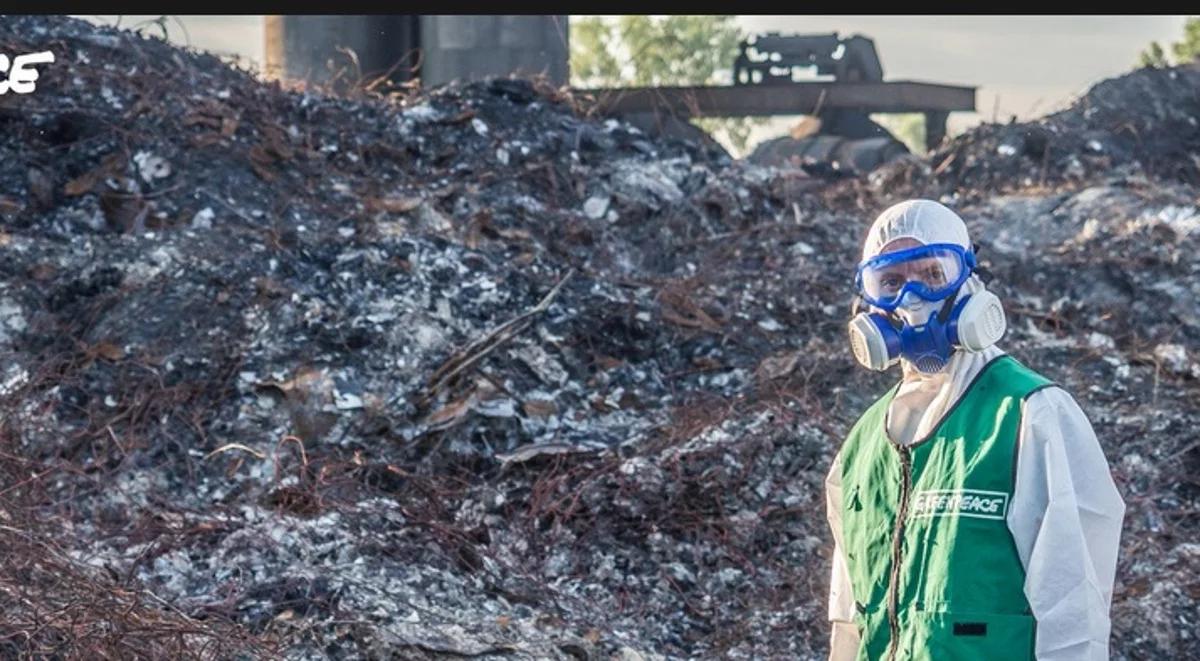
column 765, row 76
column 438, row 49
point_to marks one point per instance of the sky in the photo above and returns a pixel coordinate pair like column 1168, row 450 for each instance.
column 1026, row 66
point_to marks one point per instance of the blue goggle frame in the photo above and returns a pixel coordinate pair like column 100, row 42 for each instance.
column 890, row 303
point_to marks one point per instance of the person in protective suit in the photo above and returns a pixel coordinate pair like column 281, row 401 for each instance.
column 972, row 509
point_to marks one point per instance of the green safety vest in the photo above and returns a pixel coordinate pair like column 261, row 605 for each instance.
column 934, row 568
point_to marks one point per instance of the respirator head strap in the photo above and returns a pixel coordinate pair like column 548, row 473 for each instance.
column 985, row 275
column 943, row 314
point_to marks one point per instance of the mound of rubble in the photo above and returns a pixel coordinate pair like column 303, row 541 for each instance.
column 461, row 373
column 826, row 155
column 1143, row 124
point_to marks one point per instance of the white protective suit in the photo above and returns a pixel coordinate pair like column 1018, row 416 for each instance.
column 1066, row 513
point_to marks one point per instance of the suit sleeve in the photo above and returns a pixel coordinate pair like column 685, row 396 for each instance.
column 844, row 638
column 1066, row 521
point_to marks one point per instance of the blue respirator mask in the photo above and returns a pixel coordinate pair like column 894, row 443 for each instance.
column 929, row 273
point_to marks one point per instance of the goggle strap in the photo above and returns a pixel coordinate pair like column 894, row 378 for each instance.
column 967, row 254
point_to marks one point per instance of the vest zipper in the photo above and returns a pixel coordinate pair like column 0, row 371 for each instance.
column 901, row 515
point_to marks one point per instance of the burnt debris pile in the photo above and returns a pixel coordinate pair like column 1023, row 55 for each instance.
column 467, row 373
column 1143, row 124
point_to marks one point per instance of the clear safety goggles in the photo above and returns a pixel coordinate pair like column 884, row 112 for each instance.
column 932, row 272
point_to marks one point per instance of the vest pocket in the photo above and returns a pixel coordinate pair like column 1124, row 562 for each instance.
column 970, row 636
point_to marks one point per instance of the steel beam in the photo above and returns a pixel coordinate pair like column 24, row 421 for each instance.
column 791, row 99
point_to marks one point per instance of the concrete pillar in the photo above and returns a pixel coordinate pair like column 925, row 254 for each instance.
column 471, row 47
column 306, row 47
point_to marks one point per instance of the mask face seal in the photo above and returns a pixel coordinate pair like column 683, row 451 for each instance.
column 973, row 323
column 929, row 346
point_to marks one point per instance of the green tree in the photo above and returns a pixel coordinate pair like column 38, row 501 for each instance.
column 908, row 128
column 1185, row 51
column 642, row 51
column 1188, row 49
column 1153, row 57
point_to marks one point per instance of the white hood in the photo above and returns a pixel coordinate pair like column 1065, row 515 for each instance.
column 923, row 398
